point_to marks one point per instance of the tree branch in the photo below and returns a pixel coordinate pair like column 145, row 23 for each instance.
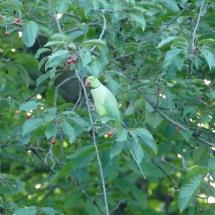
column 103, row 28
column 94, row 141
column 173, row 121
column 197, row 24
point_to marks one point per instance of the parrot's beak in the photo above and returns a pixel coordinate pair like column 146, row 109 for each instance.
column 87, row 83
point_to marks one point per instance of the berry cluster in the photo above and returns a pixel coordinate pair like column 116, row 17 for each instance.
column 17, row 20
column 73, row 60
column 110, row 133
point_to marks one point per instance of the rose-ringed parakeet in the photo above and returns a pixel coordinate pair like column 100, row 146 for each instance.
column 104, row 100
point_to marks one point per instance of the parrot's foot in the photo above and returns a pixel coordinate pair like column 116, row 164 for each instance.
column 92, row 106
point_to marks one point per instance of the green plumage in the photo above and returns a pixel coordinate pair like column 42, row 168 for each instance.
column 104, row 101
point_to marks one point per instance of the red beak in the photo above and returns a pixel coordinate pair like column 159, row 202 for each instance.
column 87, row 83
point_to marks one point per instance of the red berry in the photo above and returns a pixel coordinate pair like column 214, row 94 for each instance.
column 74, row 60
column 6, row 34
column 110, row 133
column 17, row 20
column 177, row 128
column 53, row 142
column 69, row 61
column 28, row 116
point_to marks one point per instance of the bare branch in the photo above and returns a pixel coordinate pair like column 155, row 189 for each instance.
column 174, row 122
column 173, row 166
column 58, row 86
column 57, row 21
column 103, row 28
column 38, row 87
column 94, row 141
column 177, row 16
column 197, row 24
column 79, row 97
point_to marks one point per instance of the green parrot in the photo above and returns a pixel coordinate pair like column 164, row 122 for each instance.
column 104, row 100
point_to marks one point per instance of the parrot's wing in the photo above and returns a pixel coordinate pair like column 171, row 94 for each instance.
column 111, row 106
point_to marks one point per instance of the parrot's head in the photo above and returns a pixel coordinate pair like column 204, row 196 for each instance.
column 92, row 82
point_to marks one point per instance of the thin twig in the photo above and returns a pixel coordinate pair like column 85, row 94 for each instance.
column 174, row 122
column 197, row 24
column 204, row 26
column 161, row 169
column 50, row 155
column 177, row 16
column 173, row 166
column 57, row 21
column 89, row 24
column 79, row 97
column 94, row 141
column 118, row 204
column 124, row 56
column 38, row 87
column 103, row 29
column 58, row 86
column 61, row 147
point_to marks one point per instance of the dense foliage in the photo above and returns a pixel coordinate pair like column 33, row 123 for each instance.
column 157, row 57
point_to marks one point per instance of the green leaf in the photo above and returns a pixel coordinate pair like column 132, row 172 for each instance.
column 42, row 78
column 112, row 83
column 137, row 148
column 94, row 42
column 69, row 130
column 209, row 41
column 153, row 119
column 146, row 136
column 209, row 56
column 62, row 172
column 190, row 187
column 122, row 134
column 75, row 34
column 27, row 106
column 85, row 55
column 11, row 5
column 40, row 51
column 61, row 37
column 82, row 160
column 56, row 58
column 166, row 41
column 197, row 170
column 85, row 150
column 48, row 210
column 31, row 125
column 57, row 43
column 186, row 134
column 108, row 167
column 200, row 153
column 79, row 121
column 95, row 67
column 24, row 74
column 170, row 55
column 51, row 131
column 211, row 164
column 135, row 106
column 25, row 139
column 29, row 33
column 53, row 3
column 116, row 148
column 139, row 19
column 25, row 211
column 171, row 5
